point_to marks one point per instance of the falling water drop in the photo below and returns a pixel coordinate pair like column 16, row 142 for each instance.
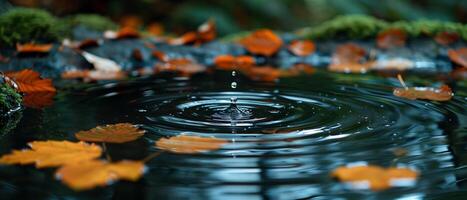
column 233, row 85
column 234, row 73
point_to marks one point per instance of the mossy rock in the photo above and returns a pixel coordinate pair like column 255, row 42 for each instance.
column 348, row 26
column 9, row 99
column 90, row 21
column 21, row 25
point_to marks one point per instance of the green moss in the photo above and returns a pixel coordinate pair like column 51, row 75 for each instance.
column 9, row 98
column 20, row 25
column 349, row 26
column 91, row 21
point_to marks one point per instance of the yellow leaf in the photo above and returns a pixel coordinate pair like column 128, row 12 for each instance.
column 93, row 173
column 115, row 133
column 190, row 144
column 377, row 177
column 52, row 153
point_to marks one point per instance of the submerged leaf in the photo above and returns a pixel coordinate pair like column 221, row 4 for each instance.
column 114, row 133
column 302, row 47
column 459, row 56
column 262, row 42
column 53, row 153
column 391, row 38
column 33, row 48
column 376, row 177
column 90, row 174
column 185, row 144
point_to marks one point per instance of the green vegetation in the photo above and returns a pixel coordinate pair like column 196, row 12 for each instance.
column 360, row 26
column 91, row 21
column 9, row 98
column 20, row 25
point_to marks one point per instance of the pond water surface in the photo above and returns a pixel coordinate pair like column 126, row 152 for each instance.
column 286, row 137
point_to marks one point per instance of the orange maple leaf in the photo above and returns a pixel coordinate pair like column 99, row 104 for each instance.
column 30, row 81
column 444, row 93
column 205, row 33
column 33, row 48
column 262, row 42
column 185, row 144
column 114, row 133
column 183, row 66
column 52, row 153
column 377, row 177
column 229, row 62
column 302, row 47
column 93, row 173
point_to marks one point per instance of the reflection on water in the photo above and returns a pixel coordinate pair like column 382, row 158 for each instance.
column 286, row 139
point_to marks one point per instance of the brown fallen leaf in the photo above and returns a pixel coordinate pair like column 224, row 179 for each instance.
column 94, row 75
column 444, row 93
column 160, row 56
column 123, row 33
column 349, row 58
column 262, row 73
column 391, row 38
column 262, row 42
column 185, row 144
column 183, row 66
column 377, row 177
column 90, row 174
column 113, row 133
column 459, row 56
column 446, row 38
column 87, row 43
column 29, row 81
column 302, row 47
column 298, row 69
column 155, row 29
column 130, row 21
column 206, row 32
column 52, row 153
column 33, row 48
column 229, row 62
column 137, row 55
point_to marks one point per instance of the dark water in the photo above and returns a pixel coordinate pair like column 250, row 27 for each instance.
column 321, row 122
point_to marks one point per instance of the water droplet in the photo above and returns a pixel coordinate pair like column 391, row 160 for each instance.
column 233, row 85
column 234, row 73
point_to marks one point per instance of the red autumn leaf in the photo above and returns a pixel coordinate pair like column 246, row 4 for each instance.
column 459, row 56
column 349, row 58
column 229, row 62
column 444, row 93
column 30, row 81
column 391, row 38
column 446, row 38
column 265, row 73
column 183, row 66
column 205, row 33
column 33, row 48
column 262, row 42
column 302, row 47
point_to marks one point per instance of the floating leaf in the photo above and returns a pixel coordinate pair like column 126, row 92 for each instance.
column 29, row 81
column 114, row 133
column 229, row 62
column 33, row 48
column 349, row 58
column 446, row 38
column 185, row 144
column 53, row 153
column 183, row 66
column 302, row 47
column 391, row 38
column 205, row 33
column 94, row 173
column 459, row 56
column 444, row 93
column 262, row 42
column 377, row 177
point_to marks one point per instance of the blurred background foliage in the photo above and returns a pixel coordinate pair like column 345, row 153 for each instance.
column 238, row 15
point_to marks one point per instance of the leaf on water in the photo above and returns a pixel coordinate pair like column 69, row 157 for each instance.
column 183, row 66
column 94, row 173
column 349, row 58
column 53, row 153
column 123, row 33
column 302, row 47
column 38, row 99
column 298, row 69
column 459, row 56
column 444, row 93
column 446, row 38
column 262, row 73
column 185, row 144
column 229, row 62
column 33, row 48
column 376, row 177
column 262, row 42
column 206, row 32
column 113, row 133
column 391, row 38
column 29, row 81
